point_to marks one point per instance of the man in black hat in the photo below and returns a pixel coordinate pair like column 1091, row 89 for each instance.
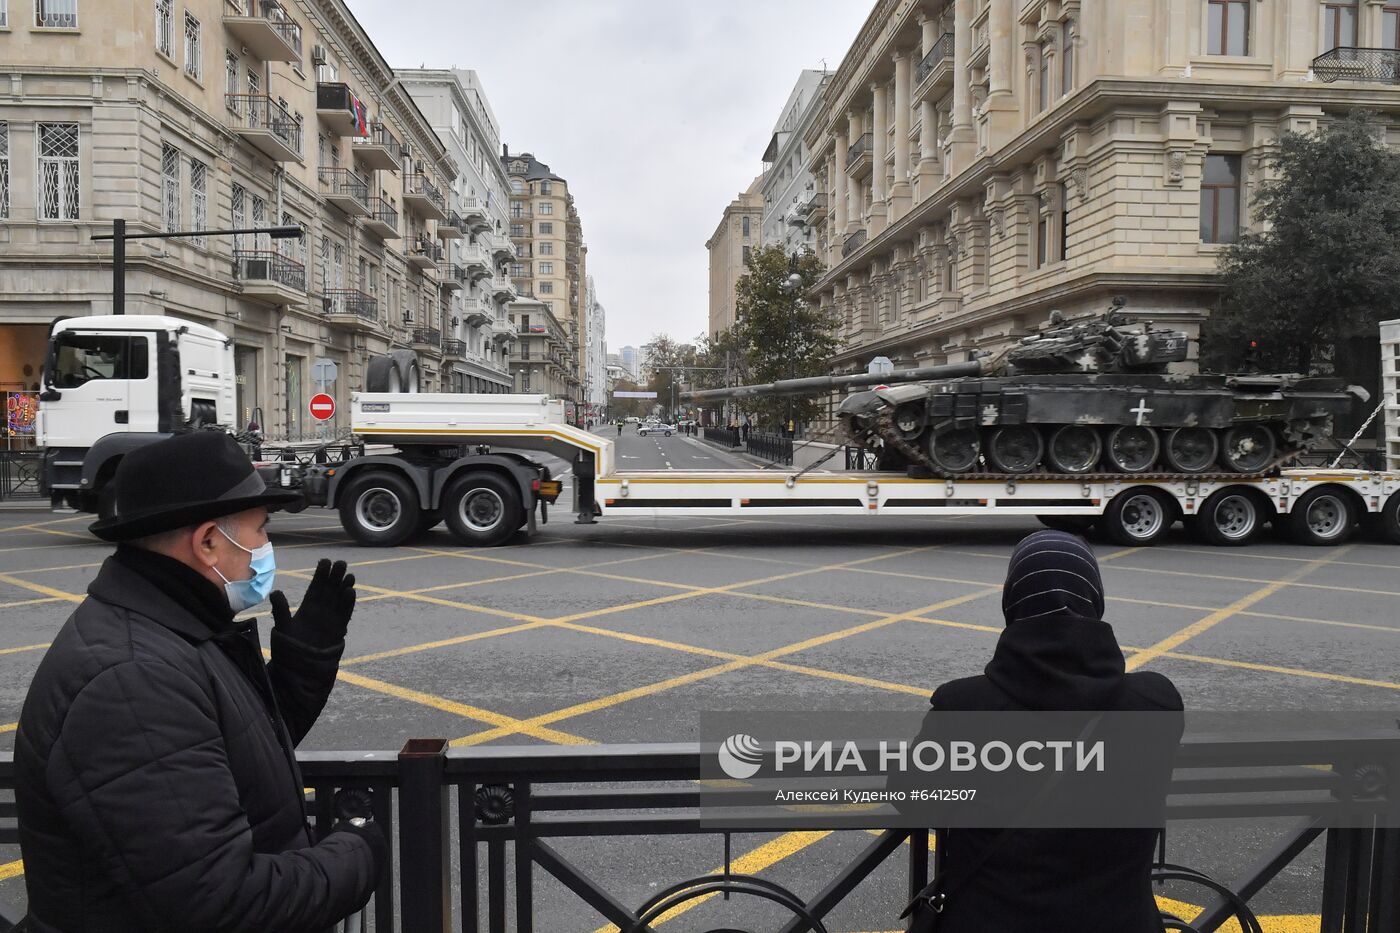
column 155, row 776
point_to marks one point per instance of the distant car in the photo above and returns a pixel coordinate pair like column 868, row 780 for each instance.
column 656, row 427
column 633, row 420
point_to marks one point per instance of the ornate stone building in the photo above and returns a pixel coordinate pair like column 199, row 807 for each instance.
column 739, row 232
column 985, row 161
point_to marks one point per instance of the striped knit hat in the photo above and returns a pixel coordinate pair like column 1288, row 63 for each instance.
column 1052, row 575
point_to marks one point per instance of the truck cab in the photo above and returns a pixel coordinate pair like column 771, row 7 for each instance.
column 114, row 383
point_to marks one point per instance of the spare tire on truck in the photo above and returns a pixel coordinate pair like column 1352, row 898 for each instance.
column 396, row 371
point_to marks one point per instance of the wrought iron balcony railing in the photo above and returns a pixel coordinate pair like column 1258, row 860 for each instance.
column 268, row 266
column 350, row 301
column 260, row 113
column 343, row 183
column 273, row 17
column 418, row 185
column 860, row 147
column 428, row 336
column 454, row 348
column 1345, row 63
column 852, row 243
column 942, row 49
column 384, row 213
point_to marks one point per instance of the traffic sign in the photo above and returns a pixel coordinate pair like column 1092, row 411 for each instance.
column 322, row 407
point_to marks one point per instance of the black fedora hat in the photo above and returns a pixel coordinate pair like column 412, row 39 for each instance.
column 182, row 481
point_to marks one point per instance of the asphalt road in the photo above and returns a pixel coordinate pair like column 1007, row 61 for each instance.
column 678, row 452
column 624, row 631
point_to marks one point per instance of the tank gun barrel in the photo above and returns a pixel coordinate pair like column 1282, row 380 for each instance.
column 814, row 385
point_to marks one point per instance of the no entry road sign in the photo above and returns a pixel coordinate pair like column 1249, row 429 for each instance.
column 322, row 407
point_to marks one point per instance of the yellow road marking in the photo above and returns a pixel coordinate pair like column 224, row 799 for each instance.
column 1282, row 923
column 63, row 567
column 1179, row 638
column 30, row 602
column 23, row 648
column 1290, row 580
column 443, row 643
column 12, row 869
column 9, row 727
column 1275, row 669
column 40, row 589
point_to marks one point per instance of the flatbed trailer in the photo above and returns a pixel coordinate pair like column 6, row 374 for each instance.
column 445, row 443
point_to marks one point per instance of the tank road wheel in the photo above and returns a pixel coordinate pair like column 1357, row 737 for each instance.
column 379, row 509
column 1190, row 450
column 909, row 420
column 1248, row 448
column 482, row 509
column 1015, row 449
column 1074, row 448
column 1229, row 518
column 1385, row 524
column 1133, row 448
column 954, row 451
column 1322, row 517
column 1137, row 517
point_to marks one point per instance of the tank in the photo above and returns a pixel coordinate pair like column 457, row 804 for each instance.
column 1081, row 398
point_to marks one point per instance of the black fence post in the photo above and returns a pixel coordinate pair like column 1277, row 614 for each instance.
column 424, row 835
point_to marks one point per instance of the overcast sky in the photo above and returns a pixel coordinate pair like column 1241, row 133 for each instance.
column 655, row 111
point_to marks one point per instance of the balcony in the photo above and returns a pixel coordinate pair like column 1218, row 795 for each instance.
column 451, row 277
column 475, row 214
column 859, row 156
column 424, row 254
column 264, row 28
column 347, row 306
column 1368, row 66
column 852, row 243
column 502, row 249
column 340, row 111
column 935, row 72
column 270, row 276
column 502, row 289
column 266, row 125
column 477, row 313
column 454, row 348
column 345, row 190
column 814, row 208
column 477, row 263
column 420, row 194
column 426, row 338
column 503, row 334
column 452, row 227
column 383, row 220
column 378, row 149
column 521, row 210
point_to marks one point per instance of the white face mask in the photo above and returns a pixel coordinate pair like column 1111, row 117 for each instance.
column 245, row 594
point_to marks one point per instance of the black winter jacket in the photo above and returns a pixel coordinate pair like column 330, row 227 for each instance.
column 1053, row 880
column 156, row 781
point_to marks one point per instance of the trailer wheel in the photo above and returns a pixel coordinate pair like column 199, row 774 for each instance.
column 1074, row 524
column 1231, row 517
column 1385, row 524
column 482, row 509
column 380, row 509
column 1137, row 517
column 1322, row 517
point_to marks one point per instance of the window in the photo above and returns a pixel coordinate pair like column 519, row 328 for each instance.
column 1228, row 27
column 747, row 250
column 517, row 230
column 744, row 224
column 231, row 81
column 517, row 186
column 547, row 248
column 338, row 264
column 237, row 197
column 1067, row 40
column 193, row 65
column 58, row 171
column 1339, row 24
column 546, row 187
column 547, row 228
column 1063, row 252
column 81, row 358
column 1390, row 25
column 1043, row 90
column 165, row 28
column 4, row 13
column 261, row 241
column 324, row 261
column 544, row 207
column 1220, row 199
column 1042, row 240
column 56, row 14
column 546, row 268
column 199, row 198
column 546, row 288
column 517, row 209
column 517, row 269
column 170, row 188
column 4, row 171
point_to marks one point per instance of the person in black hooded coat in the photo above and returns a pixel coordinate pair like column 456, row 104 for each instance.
column 1056, row 653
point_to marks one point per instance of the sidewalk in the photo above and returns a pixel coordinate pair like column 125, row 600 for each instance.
column 804, row 454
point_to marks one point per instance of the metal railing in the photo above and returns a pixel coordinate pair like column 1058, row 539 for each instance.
column 942, row 49
column 384, row 212
column 1346, row 63
column 775, row 447
column 861, row 459
column 852, row 243
column 426, row 248
column 260, row 112
column 19, row 474
column 380, row 135
column 455, row 221
column 860, row 147
column 275, row 15
column 429, row 336
column 418, row 185
column 268, row 266
column 343, row 182
column 452, row 347
column 350, row 301
column 722, row 436
column 451, row 272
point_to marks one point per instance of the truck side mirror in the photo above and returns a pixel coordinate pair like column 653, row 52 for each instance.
column 50, row 395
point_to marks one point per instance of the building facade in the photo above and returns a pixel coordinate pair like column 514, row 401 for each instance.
column 216, row 114
column 630, row 358
column 738, row 233
column 596, row 373
column 985, row 161
column 539, row 359
column 476, row 249
column 548, row 237
column 788, row 186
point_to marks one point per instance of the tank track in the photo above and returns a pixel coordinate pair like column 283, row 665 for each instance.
column 890, row 435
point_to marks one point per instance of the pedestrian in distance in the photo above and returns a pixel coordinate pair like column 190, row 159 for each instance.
column 1056, row 654
column 156, row 781
column 619, row 427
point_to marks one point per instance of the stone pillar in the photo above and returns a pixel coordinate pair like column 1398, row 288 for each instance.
column 901, row 195
column 928, row 34
column 963, row 135
column 838, row 192
column 1000, row 25
column 879, row 141
column 855, row 123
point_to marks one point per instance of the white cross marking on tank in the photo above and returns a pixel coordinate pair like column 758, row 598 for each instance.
column 1142, row 411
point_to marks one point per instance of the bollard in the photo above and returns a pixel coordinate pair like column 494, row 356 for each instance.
column 424, row 860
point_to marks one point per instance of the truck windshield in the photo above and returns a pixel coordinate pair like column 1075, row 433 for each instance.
column 80, row 358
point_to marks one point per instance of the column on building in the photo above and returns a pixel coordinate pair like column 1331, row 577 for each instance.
column 854, row 126
column 901, row 195
column 1001, row 108
column 880, row 106
column 928, row 117
column 963, row 136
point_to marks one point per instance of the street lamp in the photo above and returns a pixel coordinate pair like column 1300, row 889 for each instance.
column 119, row 236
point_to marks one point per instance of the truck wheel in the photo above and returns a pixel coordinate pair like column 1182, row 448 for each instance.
column 380, row 509
column 1385, row 524
column 1074, row 524
column 1137, row 517
column 1231, row 517
column 1322, row 517
column 482, row 509
column 428, row 519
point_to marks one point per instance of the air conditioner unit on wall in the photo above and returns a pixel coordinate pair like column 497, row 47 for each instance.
column 318, row 55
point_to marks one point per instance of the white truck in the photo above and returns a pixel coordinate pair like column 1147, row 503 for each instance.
column 113, row 383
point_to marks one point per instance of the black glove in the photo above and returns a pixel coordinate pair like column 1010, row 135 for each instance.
column 325, row 610
column 371, row 833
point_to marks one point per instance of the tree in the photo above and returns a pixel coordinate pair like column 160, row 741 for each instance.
column 782, row 334
column 1322, row 266
column 666, row 358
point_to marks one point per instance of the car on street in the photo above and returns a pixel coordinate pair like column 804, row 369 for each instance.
column 656, row 427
